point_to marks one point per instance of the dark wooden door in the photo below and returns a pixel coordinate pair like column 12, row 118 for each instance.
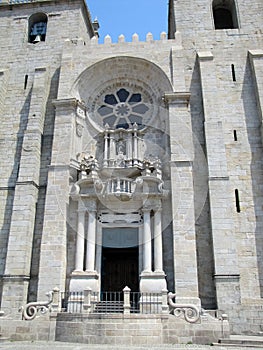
column 120, row 269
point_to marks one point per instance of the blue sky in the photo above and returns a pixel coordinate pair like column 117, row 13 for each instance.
column 130, row 16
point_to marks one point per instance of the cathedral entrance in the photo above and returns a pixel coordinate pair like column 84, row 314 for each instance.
column 120, row 256
column 120, row 269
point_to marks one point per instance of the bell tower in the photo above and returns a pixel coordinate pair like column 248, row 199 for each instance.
column 218, row 31
column 208, row 16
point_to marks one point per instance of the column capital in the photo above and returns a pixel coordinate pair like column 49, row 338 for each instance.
column 157, row 209
column 146, row 210
column 91, row 206
column 91, row 210
column 81, row 206
column 82, row 210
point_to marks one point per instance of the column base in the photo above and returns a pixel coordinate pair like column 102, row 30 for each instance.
column 152, row 282
column 188, row 300
column 81, row 280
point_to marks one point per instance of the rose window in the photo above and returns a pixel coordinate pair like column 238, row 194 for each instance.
column 123, row 109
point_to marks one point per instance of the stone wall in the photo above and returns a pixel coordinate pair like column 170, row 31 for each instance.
column 115, row 329
column 138, row 330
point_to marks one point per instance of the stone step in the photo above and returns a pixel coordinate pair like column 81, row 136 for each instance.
column 241, row 341
column 3, row 339
column 113, row 307
column 109, row 307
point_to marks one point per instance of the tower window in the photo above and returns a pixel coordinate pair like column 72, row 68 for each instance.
column 37, row 28
column 225, row 15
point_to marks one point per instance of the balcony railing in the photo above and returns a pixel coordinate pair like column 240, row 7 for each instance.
column 120, row 187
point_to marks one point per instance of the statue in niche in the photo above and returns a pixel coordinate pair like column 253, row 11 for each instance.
column 120, row 160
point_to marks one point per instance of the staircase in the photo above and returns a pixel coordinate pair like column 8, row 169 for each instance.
column 109, row 307
column 240, row 341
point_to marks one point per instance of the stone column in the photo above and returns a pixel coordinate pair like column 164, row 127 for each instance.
column 106, row 148
column 147, row 244
column 81, row 280
column 18, row 259
column 182, row 155
column 135, row 144
column 129, row 146
column 152, row 282
column 91, row 242
column 112, row 150
column 158, row 243
column 79, row 257
column 224, row 246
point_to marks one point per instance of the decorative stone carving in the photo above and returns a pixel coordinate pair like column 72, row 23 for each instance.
column 30, row 310
column 190, row 312
column 88, row 163
column 81, row 113
column 111, row 218
column 79, row 129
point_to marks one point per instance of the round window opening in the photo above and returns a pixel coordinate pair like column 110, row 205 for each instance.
column 123, row 109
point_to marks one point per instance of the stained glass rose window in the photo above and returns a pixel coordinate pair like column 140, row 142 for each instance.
column 123, row 109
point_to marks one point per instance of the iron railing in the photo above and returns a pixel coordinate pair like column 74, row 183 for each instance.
column 112, row 302
column 109, row 302
column 146, row 303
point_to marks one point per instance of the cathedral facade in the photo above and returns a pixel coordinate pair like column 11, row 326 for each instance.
column 133, row 164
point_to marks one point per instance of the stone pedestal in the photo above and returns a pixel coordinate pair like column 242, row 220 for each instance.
column 81, row 280
column 152, row 285
column 152, row 282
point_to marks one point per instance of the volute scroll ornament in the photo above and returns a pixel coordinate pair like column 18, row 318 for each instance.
column 30, row 310
column 190, row 312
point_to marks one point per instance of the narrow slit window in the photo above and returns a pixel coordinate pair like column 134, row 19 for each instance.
column 235, row 135
column 25, row 81
column 233, row 72
column 237, row 201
